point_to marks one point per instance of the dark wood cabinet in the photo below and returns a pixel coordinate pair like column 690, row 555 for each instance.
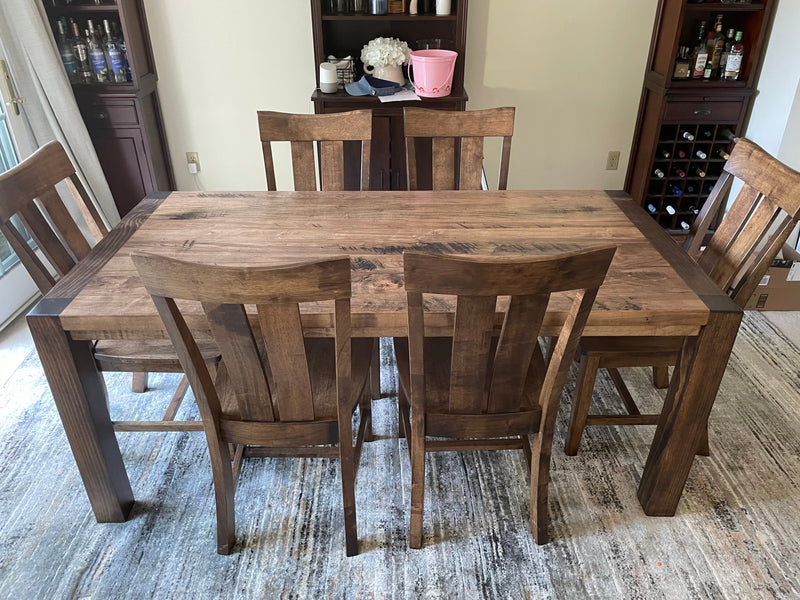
column 684, row 126
column 341, row 35
column 123, row 119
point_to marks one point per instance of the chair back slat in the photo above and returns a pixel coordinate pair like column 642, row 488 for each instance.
column 303, row 168
column 465, row 128
column 482, row 381
column 330, row 130
column 708, row 213
column 444, row 156
column 247, row 376
column 754, row 229
column 332, row 161
column 68, row 230
column 515, row 353
column 28, row 191
column 472, row 339
column 283, row 337
column 48, row 240
column 471, row 163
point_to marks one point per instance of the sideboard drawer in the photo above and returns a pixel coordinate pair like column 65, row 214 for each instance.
column 697, row 111
column 110, row 114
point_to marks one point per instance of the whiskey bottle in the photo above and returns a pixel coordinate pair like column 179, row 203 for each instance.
column 733, row 66
column 716, row 47
column 723, row 59
column 114, row 58
column 683, row 65
column 700, row 54
column 66, row 52
column 81, row 51
column 709, row 52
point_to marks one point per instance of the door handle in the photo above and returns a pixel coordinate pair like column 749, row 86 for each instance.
column 14, row 100
column 702, row 111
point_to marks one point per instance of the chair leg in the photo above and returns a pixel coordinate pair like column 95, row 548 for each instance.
column 540, row 479
column 375, row 371
column 702, row 447
column 139, row 383
column 417, row 479
column 661, row 377
column 348, row 467
column 222, row 470
column 581, row 403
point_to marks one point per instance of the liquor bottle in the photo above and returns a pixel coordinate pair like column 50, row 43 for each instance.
column 723, row 155
column 723, row 60
column 676, row 191
column 81, row 51
column 709, row 53
column 700, row 54
column 733, row 66
column 716, row 47
column 700, row 172
column 670, row 209
column 702, row 155
column 65, row 50
column 680, row 172
column 116, row 65
column 122, row 46
column 651, row 208
column 683, row 65
column 659, row 173
column 96, row 54
column 687, row 136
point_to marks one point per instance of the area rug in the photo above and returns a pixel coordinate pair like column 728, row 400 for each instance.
column 735, row 534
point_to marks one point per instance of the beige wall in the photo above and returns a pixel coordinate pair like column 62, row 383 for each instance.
column 574, row 74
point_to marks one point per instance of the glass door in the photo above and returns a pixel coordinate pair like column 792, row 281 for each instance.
column 16, row 287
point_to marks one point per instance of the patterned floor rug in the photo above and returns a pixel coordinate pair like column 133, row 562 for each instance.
column 735, row 534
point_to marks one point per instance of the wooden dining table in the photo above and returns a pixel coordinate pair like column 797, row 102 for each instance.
column 652, row 289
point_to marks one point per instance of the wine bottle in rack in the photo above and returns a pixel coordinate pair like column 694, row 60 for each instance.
column 659, row 173
column 664, row 153
column 687, row 136
column 685, row 226
column 680, row 172
column 694, row 210
column 651, row 208
column 701, row 154
column 728, row 135
column 676, row 190
column 681, row 153
column 723, row 155
column 670, row 209
column 700, row 172
column 690, row 189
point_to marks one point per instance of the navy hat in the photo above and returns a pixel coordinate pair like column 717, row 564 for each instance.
column 372, row 86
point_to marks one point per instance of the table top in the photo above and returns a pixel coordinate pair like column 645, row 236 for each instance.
column 652, row 287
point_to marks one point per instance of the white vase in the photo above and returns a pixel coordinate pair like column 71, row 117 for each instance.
column 387, row 72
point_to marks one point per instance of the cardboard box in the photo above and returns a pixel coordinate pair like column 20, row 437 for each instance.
column 780, row 287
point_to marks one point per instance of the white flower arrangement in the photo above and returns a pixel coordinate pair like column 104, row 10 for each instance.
column 385, row 51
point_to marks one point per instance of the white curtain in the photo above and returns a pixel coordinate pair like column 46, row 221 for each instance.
column 49, row 105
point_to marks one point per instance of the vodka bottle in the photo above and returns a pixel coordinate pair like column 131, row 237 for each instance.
column 66, row 52
column 80, row 49
column 96, row 54
column 114, row 57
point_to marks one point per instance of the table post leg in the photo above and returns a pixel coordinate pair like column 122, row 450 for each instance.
column 691, row 394
column 80, row 397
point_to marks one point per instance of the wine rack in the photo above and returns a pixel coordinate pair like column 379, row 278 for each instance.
column 689, row 159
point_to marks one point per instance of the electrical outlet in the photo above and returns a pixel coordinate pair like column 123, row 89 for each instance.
column 612, row 162
column 193, row 162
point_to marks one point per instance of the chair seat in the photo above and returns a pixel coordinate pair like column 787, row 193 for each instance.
column 156, row 356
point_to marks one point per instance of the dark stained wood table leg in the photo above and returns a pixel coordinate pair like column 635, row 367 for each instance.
column 80, row 397
column 686, row 410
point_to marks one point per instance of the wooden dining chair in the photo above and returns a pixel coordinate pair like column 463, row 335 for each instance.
column 331, row 131
column 457, row 145
column 754, row 229
column 474, row 387
column 30, row 203
column 283, row 393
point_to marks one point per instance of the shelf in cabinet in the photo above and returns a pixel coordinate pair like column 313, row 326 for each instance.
column 390, row 17
column 724, row 7
column 76, row 9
